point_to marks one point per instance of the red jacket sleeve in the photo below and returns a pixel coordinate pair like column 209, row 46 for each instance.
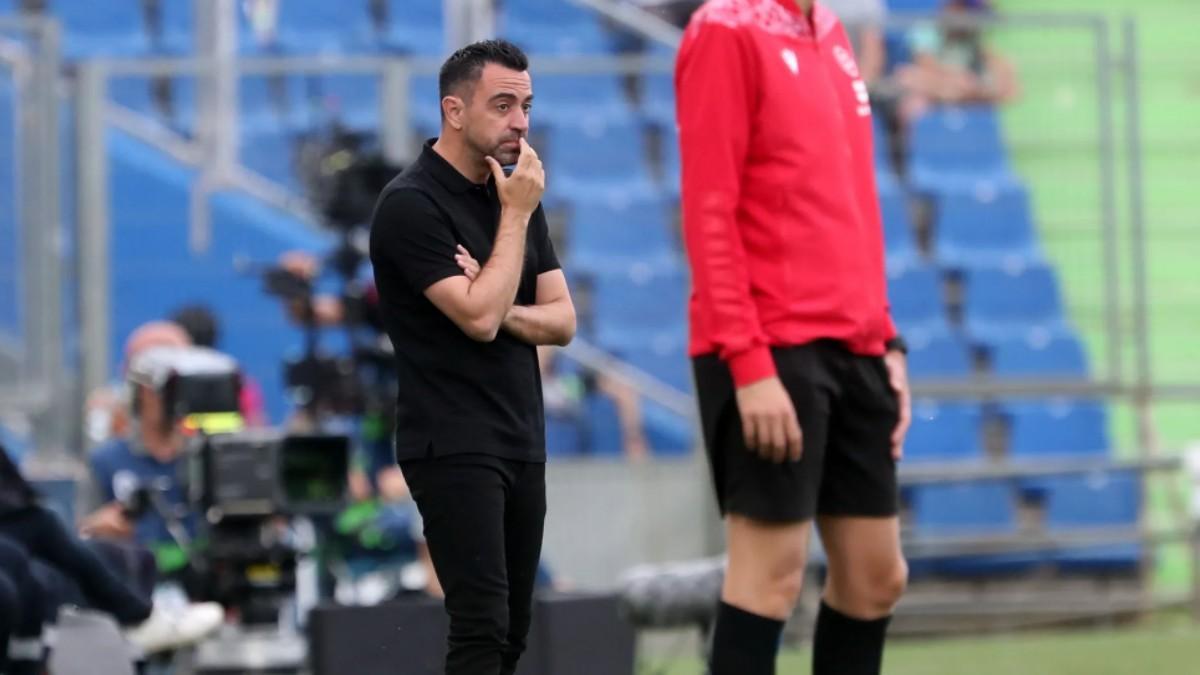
column 716, row 84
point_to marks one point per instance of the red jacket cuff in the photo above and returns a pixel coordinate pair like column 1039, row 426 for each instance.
column 752, row 365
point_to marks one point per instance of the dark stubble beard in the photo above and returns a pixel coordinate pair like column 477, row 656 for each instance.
column 496, row 150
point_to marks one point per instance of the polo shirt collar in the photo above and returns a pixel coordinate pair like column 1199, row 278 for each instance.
column 444, row 171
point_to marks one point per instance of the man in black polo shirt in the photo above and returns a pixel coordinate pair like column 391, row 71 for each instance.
column 470, row 433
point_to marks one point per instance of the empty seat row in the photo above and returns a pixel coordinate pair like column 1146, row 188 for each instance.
column 1069, row 504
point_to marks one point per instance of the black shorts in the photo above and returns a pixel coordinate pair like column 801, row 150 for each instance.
column 847, row 412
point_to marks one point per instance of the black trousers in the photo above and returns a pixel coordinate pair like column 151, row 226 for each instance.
column 484, row 518
column 41, row 533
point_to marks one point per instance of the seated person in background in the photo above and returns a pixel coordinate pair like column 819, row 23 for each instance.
column 50, row 566
column 204, row 330
column 564, row 394
column 953, row 65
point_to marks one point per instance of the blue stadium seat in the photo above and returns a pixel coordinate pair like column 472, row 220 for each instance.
column 415, row 27
column 554, row 27
column 589, row 101
column 602, row 234
column 424, row 105
column 110, row 28
column 985, row 227
column 899, row 243
column 551, row 39
column 1000, row 303
column 957, row 148
column 662, row 355
column 133, row 92
column 599, row 163
column 944, row 432
column 631, row 306
column 178, row 33
column 1076, row 503
column 321, row 26
column 928, row 6
column 939, row 354
column 273, row 103
column 602, row 426
column 1057, row 427
column 667, row 433
column 966, row 509
column 351, row 99
column 563, row 436
column 547, row 11
column 271, row 152
column 1038, row 355
column 915, row 297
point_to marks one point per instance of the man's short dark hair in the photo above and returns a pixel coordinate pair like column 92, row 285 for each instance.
column 200, row 324
column 466, row 65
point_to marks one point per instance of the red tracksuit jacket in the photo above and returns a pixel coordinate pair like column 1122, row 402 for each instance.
column 780, row 213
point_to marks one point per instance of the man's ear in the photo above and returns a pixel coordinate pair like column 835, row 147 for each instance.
column 454, row 108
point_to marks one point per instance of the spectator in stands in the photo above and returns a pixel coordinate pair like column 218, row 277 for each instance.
column 204, row 329
column 864, row 24
column 952, row 64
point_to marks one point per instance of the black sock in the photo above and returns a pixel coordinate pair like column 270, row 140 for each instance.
column 744, row 643
column 843, row 645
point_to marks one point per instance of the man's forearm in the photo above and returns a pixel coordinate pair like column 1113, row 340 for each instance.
column 552, row 323
column 495, row 289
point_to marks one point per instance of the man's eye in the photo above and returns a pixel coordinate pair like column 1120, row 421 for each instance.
column 503, row 107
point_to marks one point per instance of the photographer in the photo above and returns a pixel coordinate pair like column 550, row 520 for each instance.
column 151, row 456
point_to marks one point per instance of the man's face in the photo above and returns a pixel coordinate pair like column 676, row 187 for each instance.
column 496, row 113
column 152, row 414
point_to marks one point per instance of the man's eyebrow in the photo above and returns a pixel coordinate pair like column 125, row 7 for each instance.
column 508, row 95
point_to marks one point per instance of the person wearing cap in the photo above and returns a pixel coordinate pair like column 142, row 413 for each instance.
column 801, row 376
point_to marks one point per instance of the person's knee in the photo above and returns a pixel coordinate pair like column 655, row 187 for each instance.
column 766, row 570
column 871, row 591
column 889, row 586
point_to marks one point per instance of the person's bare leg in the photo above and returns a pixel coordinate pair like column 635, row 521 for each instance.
column 762, row 584
column 867, row 575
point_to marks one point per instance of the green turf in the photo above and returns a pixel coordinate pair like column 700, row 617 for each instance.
column 1170, row 649
column 1053, row 131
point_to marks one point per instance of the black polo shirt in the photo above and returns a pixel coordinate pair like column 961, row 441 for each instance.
column 457, row 395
